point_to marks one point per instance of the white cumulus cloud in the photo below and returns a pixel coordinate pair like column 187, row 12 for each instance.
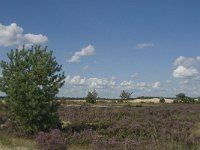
column 77, row 80
column 11, row 35
column 181, row 72
column 187, row 62
column 127, row 83
column 89, row 82
column 85, row 67
column 198, row 58
column 135, row 75
column 144, row 45
column 86, row 51
column 100, row 83
column 156, row 85
column 34, row 39
column 186, row 67
column 130, row 84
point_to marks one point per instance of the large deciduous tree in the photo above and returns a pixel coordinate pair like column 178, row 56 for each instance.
column 31, row 79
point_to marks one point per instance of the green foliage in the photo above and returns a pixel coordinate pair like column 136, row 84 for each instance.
column 31, row 79
column 91, row 97
column 182, row 98
column 9, row 141
column 198, row 99
column 125, row 95
column 162, row 100
column 139, row 105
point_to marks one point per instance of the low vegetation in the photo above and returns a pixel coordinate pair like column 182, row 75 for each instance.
column 130, row 126
column 54, row 140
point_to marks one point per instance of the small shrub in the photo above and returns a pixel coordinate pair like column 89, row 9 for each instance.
column 54, row 140
column 91, row 97
column 198, row 100
column 190, row 100
column 175, row 101
column 120, row 101
column 128, row 105
column 139, row 105
column 125, row 95
column 162, row 100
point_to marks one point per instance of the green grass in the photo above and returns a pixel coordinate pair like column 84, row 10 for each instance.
column 79, row 147
column 8, row 142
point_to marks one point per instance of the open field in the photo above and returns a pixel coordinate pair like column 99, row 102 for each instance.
column 136, row 101
column 169, row 126
column 120, row 126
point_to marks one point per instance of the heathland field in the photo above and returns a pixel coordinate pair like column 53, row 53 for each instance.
column 117, row 126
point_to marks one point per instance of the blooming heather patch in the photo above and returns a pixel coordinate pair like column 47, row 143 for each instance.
column 131, row 127
column 51, row 141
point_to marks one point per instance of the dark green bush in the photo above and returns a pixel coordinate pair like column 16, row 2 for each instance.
column 182, row 98
column 162, row 100
column 91, row 97
column 198, row 100
column 139, row 105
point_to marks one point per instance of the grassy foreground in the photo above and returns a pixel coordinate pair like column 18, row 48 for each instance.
column 123, row 126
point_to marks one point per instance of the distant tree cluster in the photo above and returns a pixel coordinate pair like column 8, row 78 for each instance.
column 182, row 98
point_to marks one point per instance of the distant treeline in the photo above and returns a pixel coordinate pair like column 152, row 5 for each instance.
column 100, row 98
column 81, row 98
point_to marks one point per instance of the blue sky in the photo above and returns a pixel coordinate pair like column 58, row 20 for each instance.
column 150, row 48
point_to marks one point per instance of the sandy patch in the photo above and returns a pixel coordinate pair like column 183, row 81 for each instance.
column 154, row 100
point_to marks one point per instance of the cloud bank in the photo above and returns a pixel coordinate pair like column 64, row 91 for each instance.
column 78, row 86
column 186, row 67
column 182, row 72
column 12, row 35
